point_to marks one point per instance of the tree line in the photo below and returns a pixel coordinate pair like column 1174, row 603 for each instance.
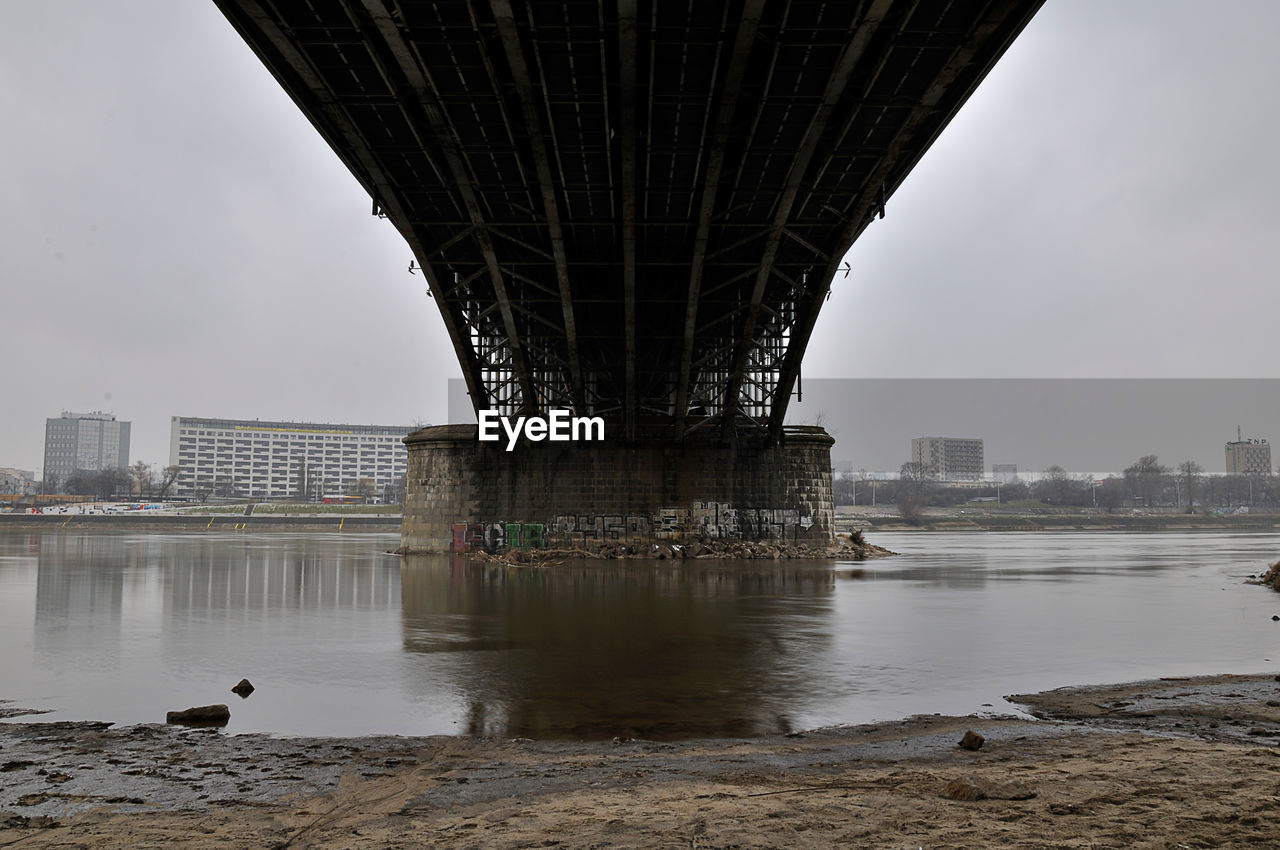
column 1146, row 483
column 139, row 481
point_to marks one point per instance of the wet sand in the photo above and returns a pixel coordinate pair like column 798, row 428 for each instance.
column 1169, row 763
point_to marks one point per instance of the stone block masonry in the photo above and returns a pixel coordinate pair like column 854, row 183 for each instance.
column 653, row 490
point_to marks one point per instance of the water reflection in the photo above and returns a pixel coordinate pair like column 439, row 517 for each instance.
column 84, row 578
column 80, row 590
column 274, row 580
column 125, row 626
column 341, row 638
column 641, row 648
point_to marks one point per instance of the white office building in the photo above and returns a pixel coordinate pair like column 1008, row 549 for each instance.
column 248, row 458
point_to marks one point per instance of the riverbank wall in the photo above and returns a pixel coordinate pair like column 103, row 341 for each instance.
column 196, row 522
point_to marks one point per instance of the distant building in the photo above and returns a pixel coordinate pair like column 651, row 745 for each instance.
column 1004, row 473
column 17, row 481
column 948, row 458
column 83, row 441
column 278, row 460
column 1248, row 457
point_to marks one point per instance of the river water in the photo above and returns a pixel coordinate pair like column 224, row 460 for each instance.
column 341, row 638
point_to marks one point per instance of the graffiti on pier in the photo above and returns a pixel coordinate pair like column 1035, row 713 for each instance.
column 603, row 526
column 495, row 536
column 701, row 520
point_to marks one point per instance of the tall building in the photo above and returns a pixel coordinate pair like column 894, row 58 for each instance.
column 279, row 460
column 948, row 458
column 1005, row 473
column 83, row 441
column 1248, row 457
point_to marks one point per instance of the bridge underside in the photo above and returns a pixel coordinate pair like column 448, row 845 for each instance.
column 630, row 208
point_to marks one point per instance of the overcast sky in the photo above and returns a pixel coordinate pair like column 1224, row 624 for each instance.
column 177, row 239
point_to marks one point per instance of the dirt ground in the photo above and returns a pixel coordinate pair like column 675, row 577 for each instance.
column 1171, row 764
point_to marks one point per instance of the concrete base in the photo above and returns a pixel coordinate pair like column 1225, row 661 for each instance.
column 461, row 492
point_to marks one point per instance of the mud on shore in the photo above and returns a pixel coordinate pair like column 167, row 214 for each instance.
column 1169, row 763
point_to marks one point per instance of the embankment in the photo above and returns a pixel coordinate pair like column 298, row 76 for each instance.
column 1062, row 522
column 142, row 521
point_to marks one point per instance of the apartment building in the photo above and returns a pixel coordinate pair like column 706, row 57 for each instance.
column 83, row 441
column 1248, row 457
column 248, row 458
column 948, row 458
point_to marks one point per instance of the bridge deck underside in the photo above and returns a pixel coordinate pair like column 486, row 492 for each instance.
column 631, row 208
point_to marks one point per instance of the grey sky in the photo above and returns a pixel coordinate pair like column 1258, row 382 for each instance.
column 1081, row 424
column 178, row 237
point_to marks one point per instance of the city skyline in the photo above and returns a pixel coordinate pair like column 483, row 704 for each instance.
column 182, row 239
column 1082, row 425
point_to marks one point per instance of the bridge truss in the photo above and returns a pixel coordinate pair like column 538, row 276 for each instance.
column 630, row 208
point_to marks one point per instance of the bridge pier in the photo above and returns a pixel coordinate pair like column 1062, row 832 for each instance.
column 587, row 493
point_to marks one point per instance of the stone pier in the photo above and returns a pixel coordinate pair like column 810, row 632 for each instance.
column 462, row 493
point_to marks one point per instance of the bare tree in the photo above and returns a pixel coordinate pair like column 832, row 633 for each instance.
column 362, row 487
column 1145, row 479
column 1190, row 472
column 167, row 480
column 912, row 491
column 225, row 486
column 141, row 472
column 844, row 490
column 304, row 481
column 1055, row 485
column 394, row 494
column 99, row 483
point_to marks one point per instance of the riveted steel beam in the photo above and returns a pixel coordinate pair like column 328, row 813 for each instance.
column 423, row 94
column 857, row 46
column 742, row 43
column 991, row 36
column 542, row 166
column 627, row 48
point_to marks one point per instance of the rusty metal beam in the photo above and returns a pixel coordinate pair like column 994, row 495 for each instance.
column 533, row 126
column 424, row 96
column 743, row 40
column 858, row 44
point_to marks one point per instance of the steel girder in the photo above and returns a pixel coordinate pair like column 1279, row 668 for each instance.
column 633, row 208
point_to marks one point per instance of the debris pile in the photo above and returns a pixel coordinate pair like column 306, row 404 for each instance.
column 1271, row 578
column 846, row 547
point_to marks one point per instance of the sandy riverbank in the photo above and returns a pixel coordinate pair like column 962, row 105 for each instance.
column 1172, row 763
